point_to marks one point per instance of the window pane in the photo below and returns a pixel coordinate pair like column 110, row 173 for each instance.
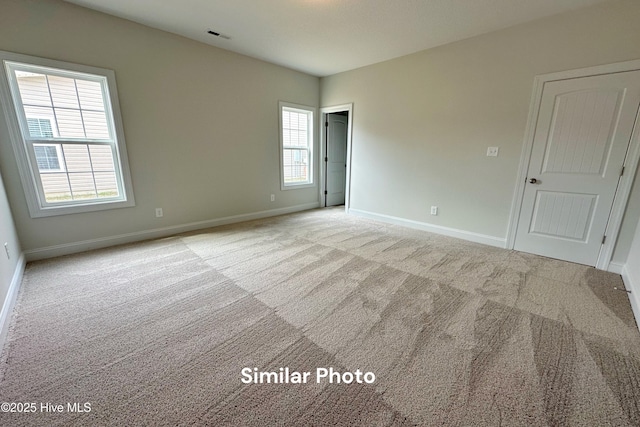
column 47, row 157
column 33, row 88
column 35, row 116
column 296, row 165
column 295, row 129
column 56, row 187
column 69, row 123
column 82, row 185
column 90, row 94
column 95, row 124
column 286, row 119
column 90, row 173
column 302, row 122
column 101, row 158
column 40, row 128
column 63, row 92
column 76, row 157
column 78, row 105
column 106, row 184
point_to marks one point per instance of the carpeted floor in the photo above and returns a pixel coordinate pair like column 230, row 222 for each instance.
column 456, row 333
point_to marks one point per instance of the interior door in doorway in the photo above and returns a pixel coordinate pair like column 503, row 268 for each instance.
column 336, row 159
column 581, row 138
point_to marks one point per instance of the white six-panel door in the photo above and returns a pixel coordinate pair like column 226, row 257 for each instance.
column 582, row 133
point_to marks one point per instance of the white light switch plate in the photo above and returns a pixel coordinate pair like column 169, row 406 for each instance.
column 492, row 151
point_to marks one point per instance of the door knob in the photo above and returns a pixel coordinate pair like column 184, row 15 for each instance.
column 533, row 180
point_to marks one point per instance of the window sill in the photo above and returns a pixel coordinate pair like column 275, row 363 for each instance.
column 296, row 186
column 39, row 212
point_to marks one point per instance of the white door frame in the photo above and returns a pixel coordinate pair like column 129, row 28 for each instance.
column 323, row 131
column 631, row 160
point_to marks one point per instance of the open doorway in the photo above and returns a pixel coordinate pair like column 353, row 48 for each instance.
column 335, row 156
column 335, row 164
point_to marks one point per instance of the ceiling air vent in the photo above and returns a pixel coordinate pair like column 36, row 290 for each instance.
column 222, row 36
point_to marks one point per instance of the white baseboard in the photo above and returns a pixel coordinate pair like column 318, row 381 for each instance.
column 10, row 300
column 632, row 284
column 615, row 267
column 103, row 242
column 437, row 229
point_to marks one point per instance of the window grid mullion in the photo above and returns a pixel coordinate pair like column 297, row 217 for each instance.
column 65, row 108
column 70, row 141
column 84, row 128
column 66, row 173
column 93, row 175
column 53, row 108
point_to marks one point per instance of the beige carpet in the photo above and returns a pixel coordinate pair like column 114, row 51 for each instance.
column 456, row 333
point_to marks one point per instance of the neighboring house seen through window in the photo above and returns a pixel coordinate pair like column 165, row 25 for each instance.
column 47, row 157
column 67, row 135
column 40, row 127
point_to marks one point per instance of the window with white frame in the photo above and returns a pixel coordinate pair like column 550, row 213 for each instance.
column 296, row 145
column 67, row 135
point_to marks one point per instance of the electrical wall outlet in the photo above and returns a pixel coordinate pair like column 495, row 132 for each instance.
column 159, row 213
column 273, row 197
column 493, row 151
column 434, row 210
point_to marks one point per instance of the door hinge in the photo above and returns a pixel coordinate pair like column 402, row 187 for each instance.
column 622, row 171
column 325, row 192
column 326, row 159
column 326, row 124
column 604, row 239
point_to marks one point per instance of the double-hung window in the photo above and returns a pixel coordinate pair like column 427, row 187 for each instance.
column 296, row 145
column 66, row 131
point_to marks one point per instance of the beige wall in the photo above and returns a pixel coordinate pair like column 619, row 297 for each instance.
column 422, row 123
column 201, row 123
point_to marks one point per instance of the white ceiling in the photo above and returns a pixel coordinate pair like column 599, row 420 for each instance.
column 324, row 37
